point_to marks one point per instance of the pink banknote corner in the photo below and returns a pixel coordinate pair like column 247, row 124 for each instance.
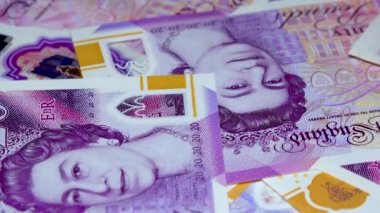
column 367, row 170
column 46, row 59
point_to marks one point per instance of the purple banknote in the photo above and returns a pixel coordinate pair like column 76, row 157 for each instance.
column 148, row 144
column 368, row 170
column 288, row 93
column 42, row 54
column 71, row 14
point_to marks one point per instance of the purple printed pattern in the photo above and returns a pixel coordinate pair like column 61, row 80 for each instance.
column 328, row 35
column 283, row 46
column 161, row 198
column 64, row 15
column 368, row 170
column 71, row 124
column 153, row 106
column 159, row 9
column 262, row 138
column 126, row 63
column 49, row 111
column 45, row 59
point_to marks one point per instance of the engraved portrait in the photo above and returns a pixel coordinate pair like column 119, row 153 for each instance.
column 254, row 91
column 70, row 169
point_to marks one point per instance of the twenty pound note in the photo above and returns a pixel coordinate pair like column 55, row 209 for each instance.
column 148, row 144
column 70, row 14
column 288, row 93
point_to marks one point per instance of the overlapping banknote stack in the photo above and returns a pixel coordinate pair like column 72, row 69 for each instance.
column 190, row 106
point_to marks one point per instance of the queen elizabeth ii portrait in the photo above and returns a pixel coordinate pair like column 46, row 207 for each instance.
column 64, row 170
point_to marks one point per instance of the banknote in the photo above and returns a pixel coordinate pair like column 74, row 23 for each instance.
column 255, row 198
column 367, row 47
column 71, row 14
column 144, row 144
column 368, row 170
column 288, row 93
column 360, row 167
column 317, row 191
column 34, row 54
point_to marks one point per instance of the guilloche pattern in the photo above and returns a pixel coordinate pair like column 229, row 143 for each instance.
column 368, row 170
column 65, row 14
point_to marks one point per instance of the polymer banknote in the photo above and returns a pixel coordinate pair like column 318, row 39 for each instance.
column 144, row 144
column 310, row 191
column 369, row 170
column 367, row 47
column 69, row 14
column 288, row 94
column 317, row 191
column 360, row 167
column 49, row 54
